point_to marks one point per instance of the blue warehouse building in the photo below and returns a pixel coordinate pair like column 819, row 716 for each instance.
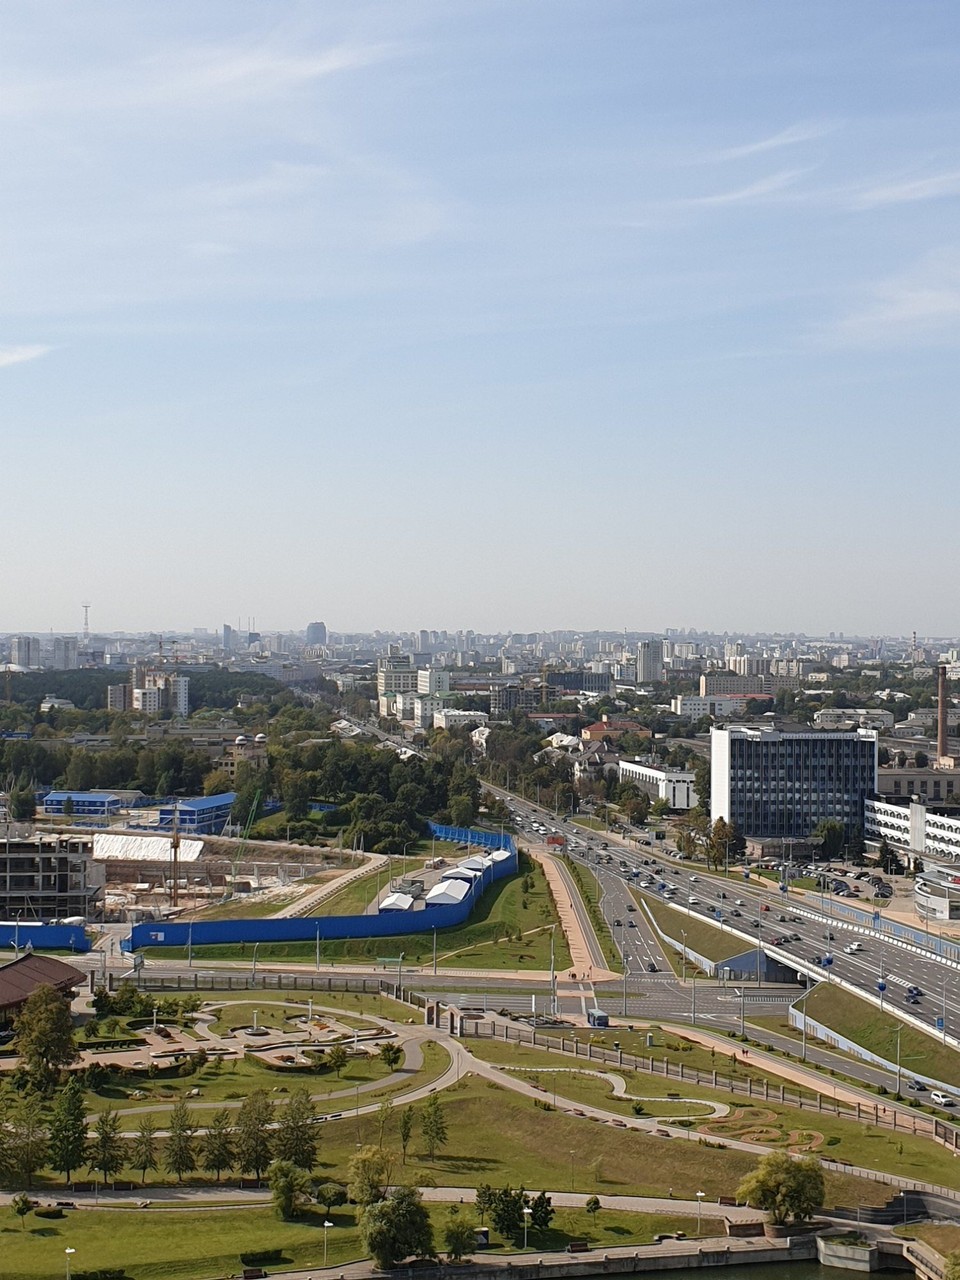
column 203, row 816
column 86, row 804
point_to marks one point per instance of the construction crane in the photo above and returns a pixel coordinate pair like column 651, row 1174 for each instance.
column 244, row 841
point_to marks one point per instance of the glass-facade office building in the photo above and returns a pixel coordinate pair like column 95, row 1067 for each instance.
column 774, row 782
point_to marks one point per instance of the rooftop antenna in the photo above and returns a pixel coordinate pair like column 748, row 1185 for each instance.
column 86, row 623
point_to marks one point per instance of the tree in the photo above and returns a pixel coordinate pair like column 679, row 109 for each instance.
column 107, row 1152
column 295, row 1139
column 143, row 1148
column 784, row 1187
column 68, row 1130
column 593, row 1207
column 433, row 1126
column 506, row 1212
column 254, row 1150
column 22, row 804
column 391, row 1055
column 44, row 1035
column 180, row 1156
column 857, row 846
column 337, row 1057
column 483, row 1201
column 289, row 1188
column 831, row 832
column 21, row 1206
column 920, row 759
column 405, row 1130
column 718, row 850
column 27, row 1138
column 216, row 1147
column 383, row 1119
column 296, row 796
column 368, row 1176
column 541, row 1212
column 397, row 1228
column 952, row 1270
column 459, row 1236
column 331, row 1195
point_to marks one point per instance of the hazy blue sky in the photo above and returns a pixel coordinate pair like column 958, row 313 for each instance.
column 497, row 315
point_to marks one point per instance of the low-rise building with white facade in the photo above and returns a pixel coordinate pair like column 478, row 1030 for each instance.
column 676, row 786
column 852, row 718
column 694, row 707
column 454, row 717
column 914, row 828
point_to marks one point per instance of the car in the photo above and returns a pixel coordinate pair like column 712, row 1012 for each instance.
column 818, row 959
column 782, row 919
column 721, row 894
column 651, row 967
column 694, row 879
column 916, row 1086
column 618, row 924
column 914, row 991
column 755, row 924
column 739, row 902
column 604, row 845
column 942, row 1099
column 632, row 924
column 852, row 948
column 693, row 901
column 631, row 907
column 764, row 906
column 910, row 998
column 828, row 936
column 795, row 937
column 736, row 913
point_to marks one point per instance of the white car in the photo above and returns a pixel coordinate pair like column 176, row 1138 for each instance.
column 942, row 1099
column 739, row 902
column 852, row 948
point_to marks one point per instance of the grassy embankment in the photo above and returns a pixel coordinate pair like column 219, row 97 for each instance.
column 486, row 941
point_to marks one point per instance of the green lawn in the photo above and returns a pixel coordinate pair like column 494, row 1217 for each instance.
column 592, row 824
column 876, row 1031
column 704, row 938
column 481, row 943
column 171, row 1244
column 589, row 888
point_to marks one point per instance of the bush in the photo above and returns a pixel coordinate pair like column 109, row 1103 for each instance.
column 261, row 1257
column 51, row 1212
column 108, row 1273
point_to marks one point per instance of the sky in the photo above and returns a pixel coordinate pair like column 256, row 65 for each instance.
column 507, row 315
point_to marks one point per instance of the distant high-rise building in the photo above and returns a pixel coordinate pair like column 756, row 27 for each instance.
column 228, row 637
column 119, row 697
column 25, row 651
column 649, row 661
column 317, row 633
column 65, row 655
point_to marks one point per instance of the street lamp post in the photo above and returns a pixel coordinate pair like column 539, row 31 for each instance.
column 683, row 956
column 626, row 971
column 326, row 1227
column 572, row 1153
column 693, row 1015
column 253, row 972
column 700, row 1195
column 527, row 1215
column 70, row 1252
column 903, row 1197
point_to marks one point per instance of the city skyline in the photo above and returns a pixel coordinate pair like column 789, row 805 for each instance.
column 604, row 311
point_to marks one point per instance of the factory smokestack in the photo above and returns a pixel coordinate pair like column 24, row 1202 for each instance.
column 941, row 711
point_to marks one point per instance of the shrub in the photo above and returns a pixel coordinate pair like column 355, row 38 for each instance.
column 50, row 1212
column 261, row 1257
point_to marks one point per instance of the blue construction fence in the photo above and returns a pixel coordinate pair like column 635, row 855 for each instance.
column 208, row 933
column 43, row 937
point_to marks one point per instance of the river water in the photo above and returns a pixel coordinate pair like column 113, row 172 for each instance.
column 773, row 1271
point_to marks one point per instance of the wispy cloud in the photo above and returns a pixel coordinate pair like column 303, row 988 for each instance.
column 922, row 305
column 752, row 193
column 936, row 186
column 21, row 354
column 183, row 77
column 802, row 132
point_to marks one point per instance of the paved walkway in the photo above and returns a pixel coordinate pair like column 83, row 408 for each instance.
column 302, row 906
column 586, row 953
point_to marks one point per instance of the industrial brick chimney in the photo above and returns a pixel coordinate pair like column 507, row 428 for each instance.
column 941, row 712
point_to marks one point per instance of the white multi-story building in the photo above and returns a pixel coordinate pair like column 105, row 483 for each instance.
column 149, row 701
column 452, row 717
column 425, row 708
column 852, row 718
column 690, row 705
column 676, row 786
column 433, row 680
column 912, row 827
column 396, row 675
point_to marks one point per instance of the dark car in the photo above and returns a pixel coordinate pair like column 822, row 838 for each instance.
column 916, row 1086
column 829, row 936
column 651, row 967
column 735, row 912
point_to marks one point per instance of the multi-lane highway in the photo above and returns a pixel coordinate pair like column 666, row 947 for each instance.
column 816, row 935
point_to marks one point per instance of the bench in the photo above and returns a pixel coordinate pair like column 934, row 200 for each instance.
column 578, row 1246
column 253, row 1273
